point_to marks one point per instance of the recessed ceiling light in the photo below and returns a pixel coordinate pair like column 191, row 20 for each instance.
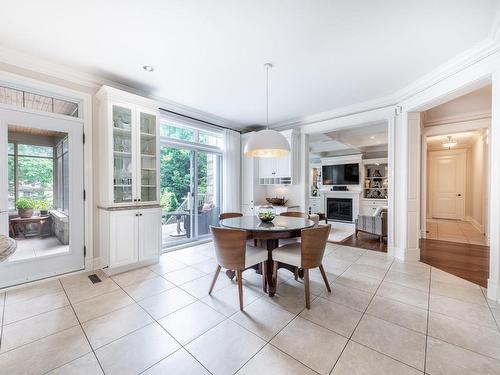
column 372, row 137
column 148, row 68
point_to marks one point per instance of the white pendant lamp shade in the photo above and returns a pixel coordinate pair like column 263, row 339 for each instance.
column 267, row 144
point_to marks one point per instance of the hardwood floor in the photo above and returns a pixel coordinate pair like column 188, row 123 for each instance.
column 366, row 241
column 470, row 262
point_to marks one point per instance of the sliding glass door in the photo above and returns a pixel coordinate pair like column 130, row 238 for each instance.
column 190, row 184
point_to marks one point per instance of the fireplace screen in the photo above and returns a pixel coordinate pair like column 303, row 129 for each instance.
column 339, row 209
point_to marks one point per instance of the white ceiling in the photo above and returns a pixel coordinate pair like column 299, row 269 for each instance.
column 361, row 139
column 464, row 140
column 209, row 55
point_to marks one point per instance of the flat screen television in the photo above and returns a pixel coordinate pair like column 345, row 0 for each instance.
column 342, row 174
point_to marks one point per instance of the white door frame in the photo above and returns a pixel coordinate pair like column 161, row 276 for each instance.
column 25, row 270
column 84, row 100
column 446, row 129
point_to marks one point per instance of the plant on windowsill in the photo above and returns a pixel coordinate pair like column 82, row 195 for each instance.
column 25, row 207
column 43, row 205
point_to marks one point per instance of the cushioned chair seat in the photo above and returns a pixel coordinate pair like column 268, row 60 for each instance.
column 254, row 255
column 289, row 254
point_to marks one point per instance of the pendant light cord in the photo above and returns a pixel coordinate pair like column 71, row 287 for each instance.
column 268, row 66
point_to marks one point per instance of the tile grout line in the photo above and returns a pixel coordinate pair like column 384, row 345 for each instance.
column 83, row 331
column 428, row 318
column 491, row 311
column 362, row 313
column 163, row 328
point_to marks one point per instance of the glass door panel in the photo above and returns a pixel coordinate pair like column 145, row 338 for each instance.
column 208, row 192
column 148, row 141
column 176, row 186
column 122, row 154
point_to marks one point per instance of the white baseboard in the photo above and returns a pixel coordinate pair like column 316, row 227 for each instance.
column 492, row 291
column 476, row 224
column 406, row 254
column 98, row 263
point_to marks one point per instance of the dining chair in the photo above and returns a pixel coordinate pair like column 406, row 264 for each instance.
column 295, row 214
column 306, row 254
column 233, row 253
column 229, row 215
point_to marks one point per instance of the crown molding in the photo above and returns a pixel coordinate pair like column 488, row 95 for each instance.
column 92, row 83
column 473, row 55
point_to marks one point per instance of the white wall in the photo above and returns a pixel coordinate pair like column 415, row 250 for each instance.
column 477, row 175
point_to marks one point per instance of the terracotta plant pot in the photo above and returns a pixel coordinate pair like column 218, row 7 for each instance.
column 25, row 212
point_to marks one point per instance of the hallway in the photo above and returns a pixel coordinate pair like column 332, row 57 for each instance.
column 454, row 231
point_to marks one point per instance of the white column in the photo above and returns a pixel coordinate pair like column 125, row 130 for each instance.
column 494, row 219
column 406, row 186
column 304, row 171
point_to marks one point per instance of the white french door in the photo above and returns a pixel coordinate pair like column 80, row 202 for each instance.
column 41, row 160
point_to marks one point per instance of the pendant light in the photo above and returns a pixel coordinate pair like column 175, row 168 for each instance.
column 449, row 143
column 267, row 143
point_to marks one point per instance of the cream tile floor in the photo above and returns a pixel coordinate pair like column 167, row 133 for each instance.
column 382, row 317
column 454, row 231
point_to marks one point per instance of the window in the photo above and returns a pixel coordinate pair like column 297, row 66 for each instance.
column 188, row 134
column 39, row 172
column 37, row 102
column 62, row 162
column 35, row 172
column 10, row 172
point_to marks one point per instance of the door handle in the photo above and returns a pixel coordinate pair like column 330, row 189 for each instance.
column 459, row 195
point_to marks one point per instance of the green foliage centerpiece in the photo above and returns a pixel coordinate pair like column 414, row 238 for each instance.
column 266, row 213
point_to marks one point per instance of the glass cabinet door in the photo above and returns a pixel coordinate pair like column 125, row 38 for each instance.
column 122, row 155
column 148, row 163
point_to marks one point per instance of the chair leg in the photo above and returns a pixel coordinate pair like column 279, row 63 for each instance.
column 306, row 288
column 381, row 239
column 264, row 276
column 296, row 273
column 356, row 233
column 275, row 273
column 325, row 279
column 240, row 288
column 217, row 271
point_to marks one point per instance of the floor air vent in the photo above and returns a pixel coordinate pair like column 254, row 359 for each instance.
column 94, row 278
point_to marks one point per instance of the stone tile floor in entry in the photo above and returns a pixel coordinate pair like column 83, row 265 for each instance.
column 382, row 317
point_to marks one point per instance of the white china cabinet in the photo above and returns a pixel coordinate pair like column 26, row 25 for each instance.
column 128, row 175
column 128, row 149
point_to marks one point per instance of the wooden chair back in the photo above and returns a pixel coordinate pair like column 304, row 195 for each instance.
column 230, row 247
column 229, row 215
column 295, row 214
column 313, row 243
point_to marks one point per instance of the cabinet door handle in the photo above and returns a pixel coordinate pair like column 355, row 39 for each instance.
column 136, row 214
column 140, row 214
column 138, row 199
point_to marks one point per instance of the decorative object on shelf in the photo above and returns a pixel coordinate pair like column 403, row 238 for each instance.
column 376, row 173
column 266, row 213
column 25, row 207
column 277, row 201
column 449, row 142
column 367, row 184
column 267, row 143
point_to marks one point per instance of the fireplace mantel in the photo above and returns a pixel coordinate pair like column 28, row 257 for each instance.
column 350, row 194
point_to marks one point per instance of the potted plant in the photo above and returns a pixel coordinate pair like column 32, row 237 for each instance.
column 25, row 207
column 43, row 205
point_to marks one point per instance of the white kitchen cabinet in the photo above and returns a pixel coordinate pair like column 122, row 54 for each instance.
column 129, row 237
column 128, row 149
column 282, row 170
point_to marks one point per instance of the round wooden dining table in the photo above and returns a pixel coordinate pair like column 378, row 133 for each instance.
column 268, row 235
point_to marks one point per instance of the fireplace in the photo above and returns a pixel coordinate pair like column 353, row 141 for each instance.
column 339, row 209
